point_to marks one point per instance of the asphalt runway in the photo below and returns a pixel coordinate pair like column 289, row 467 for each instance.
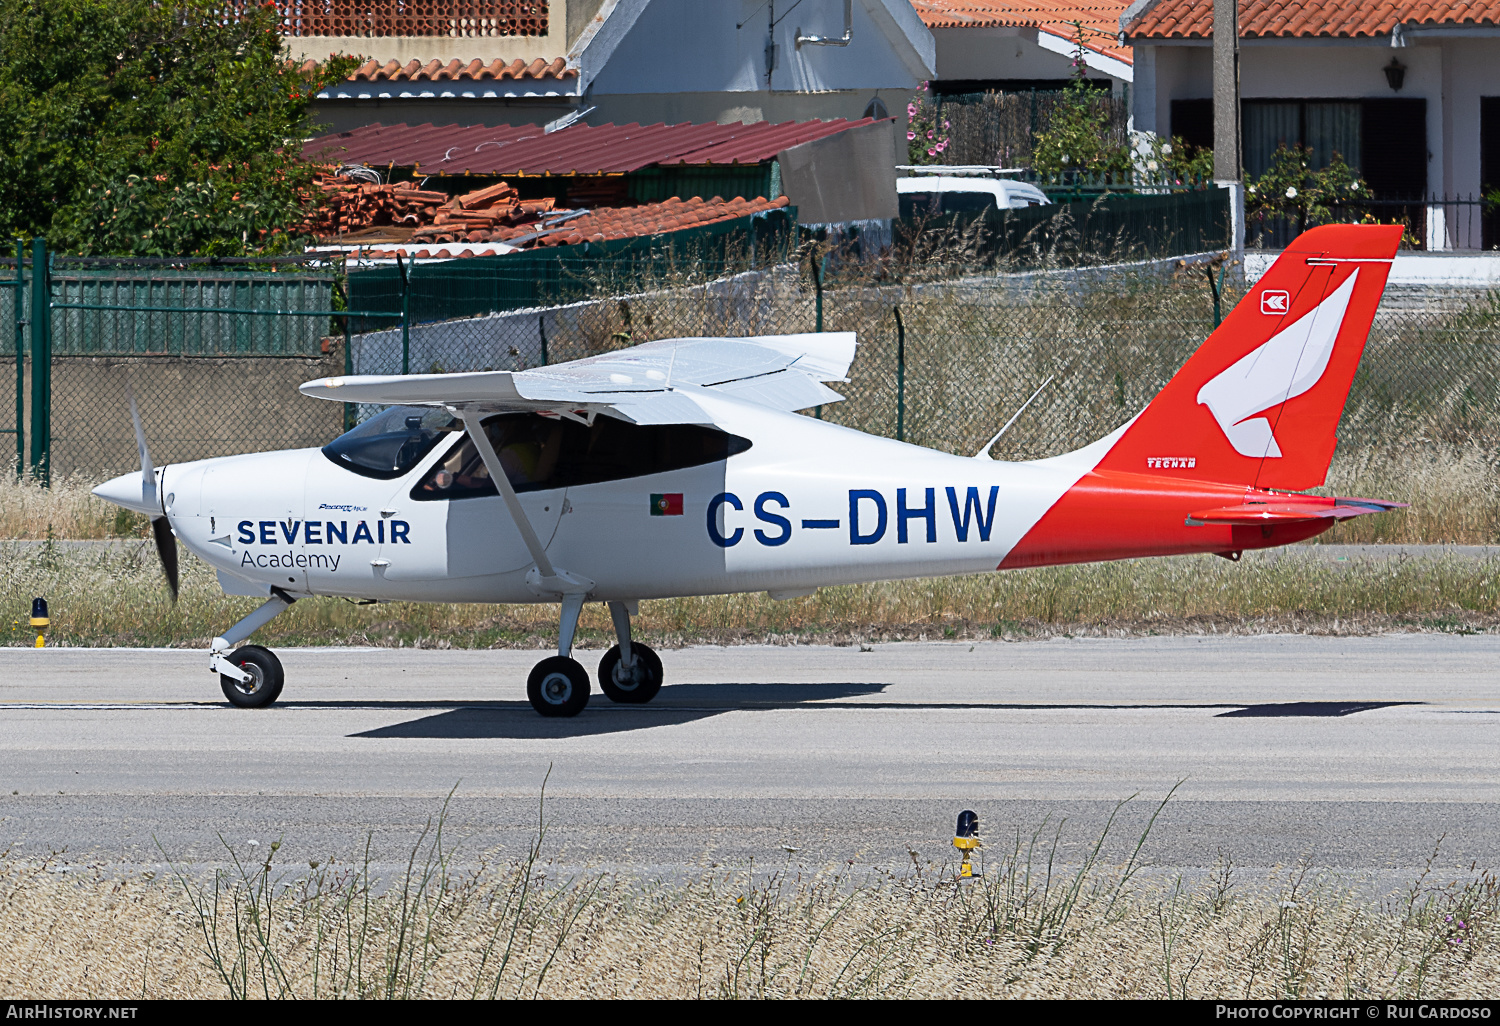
column 1350, row 753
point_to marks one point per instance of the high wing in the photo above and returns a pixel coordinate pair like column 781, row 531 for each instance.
column 651, row 383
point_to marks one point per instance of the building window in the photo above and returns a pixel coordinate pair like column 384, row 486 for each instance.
column 1385, row 140
column 413, row 18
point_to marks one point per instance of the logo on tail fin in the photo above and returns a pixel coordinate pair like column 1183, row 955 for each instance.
column 1291, row 363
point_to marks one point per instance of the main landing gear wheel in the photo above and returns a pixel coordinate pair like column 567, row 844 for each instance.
column 558, row 686
column 266, row 678
column 638, row 684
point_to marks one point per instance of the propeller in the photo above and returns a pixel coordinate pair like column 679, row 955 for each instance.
column 161, row 529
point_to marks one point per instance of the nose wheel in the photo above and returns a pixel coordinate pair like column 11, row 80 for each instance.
column 264, row 673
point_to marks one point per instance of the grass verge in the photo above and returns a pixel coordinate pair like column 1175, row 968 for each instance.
column 102, row 598
column 451, row 927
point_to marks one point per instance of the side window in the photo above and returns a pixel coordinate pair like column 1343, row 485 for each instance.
column 919, row 204
column 967, row 202
column 540, row 452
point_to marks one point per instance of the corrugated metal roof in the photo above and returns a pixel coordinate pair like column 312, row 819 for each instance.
column 578, row 150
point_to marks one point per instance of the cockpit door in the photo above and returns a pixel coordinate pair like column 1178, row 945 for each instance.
column 429, row 536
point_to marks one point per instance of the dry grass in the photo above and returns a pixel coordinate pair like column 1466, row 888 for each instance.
column 101, row 598
column 1029, row 927
column 118, row 598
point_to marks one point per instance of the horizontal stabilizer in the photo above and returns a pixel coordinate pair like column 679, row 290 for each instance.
column 1296, row 509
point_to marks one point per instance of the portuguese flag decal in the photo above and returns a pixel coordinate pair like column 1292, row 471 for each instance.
column 668, row 505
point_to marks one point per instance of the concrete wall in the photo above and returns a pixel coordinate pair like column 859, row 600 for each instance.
column 341, row 115
column 191, row 408
column 690, row 46
column 564, row 19
column 723, row 108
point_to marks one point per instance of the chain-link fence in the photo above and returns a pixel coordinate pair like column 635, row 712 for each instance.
column 213, row 352
column 942, row 363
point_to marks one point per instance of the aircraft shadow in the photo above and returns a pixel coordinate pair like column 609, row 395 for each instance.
column 1311, row 708
column 685, row 703
column 676, row 704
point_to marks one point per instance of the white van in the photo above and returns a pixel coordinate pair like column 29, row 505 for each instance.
column 931, row 194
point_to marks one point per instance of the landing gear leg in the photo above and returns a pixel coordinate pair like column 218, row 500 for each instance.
column 629, row 672
column 558, row 685
column 251, row 677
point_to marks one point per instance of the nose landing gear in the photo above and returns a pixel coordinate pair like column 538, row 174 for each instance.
column 265, row 675
column 251, row 677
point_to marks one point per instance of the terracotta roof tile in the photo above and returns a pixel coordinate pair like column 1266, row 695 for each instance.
column 455, row 70
column 1194, row 19
column 1100, row 19
column 654, row 218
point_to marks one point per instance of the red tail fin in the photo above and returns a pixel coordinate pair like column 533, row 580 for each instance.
column 1258, row 403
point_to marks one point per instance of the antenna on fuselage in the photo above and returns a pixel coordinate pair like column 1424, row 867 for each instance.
column 985, row 452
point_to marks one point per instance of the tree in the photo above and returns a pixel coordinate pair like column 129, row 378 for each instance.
column 1292, row 189
column 153, row 127
column 1077, row 139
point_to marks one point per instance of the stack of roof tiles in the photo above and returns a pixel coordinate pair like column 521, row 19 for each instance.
column 598, row 225
column 352, row 206
column 654, row 218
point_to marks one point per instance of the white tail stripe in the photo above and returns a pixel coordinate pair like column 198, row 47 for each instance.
column 1291, row 363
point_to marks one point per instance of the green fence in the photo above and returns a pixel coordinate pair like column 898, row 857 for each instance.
column 212, row 350
column 184, row 312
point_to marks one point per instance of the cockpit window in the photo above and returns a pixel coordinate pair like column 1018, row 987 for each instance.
column 392, row 442
column 540, row 452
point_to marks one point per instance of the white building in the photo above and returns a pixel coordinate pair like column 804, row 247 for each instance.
column 505, row 62
column 1017, row 45
column 1406, row 91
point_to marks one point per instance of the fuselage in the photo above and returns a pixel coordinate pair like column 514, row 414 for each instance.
column 808, row 504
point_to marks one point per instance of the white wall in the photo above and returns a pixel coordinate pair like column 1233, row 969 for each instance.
column 694, row 46
column 1005, row 53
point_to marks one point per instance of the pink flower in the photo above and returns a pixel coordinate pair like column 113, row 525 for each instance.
column 911, row 110
column 910, row 136
column 929, row 134
column 932, row 153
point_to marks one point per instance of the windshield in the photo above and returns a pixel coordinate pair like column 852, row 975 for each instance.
column 392, row 442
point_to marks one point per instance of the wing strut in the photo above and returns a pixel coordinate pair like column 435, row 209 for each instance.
column 487, row 453
column 545, row 579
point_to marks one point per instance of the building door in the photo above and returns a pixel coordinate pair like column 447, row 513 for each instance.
column 1489, row 165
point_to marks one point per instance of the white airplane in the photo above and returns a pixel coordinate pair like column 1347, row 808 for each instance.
column 679, row 467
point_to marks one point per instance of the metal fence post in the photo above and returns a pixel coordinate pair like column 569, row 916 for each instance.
column 349, row 408
column 900, row 377
column 405, row 316
column 41, row 363
column 18, row 314
column 819, row 268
